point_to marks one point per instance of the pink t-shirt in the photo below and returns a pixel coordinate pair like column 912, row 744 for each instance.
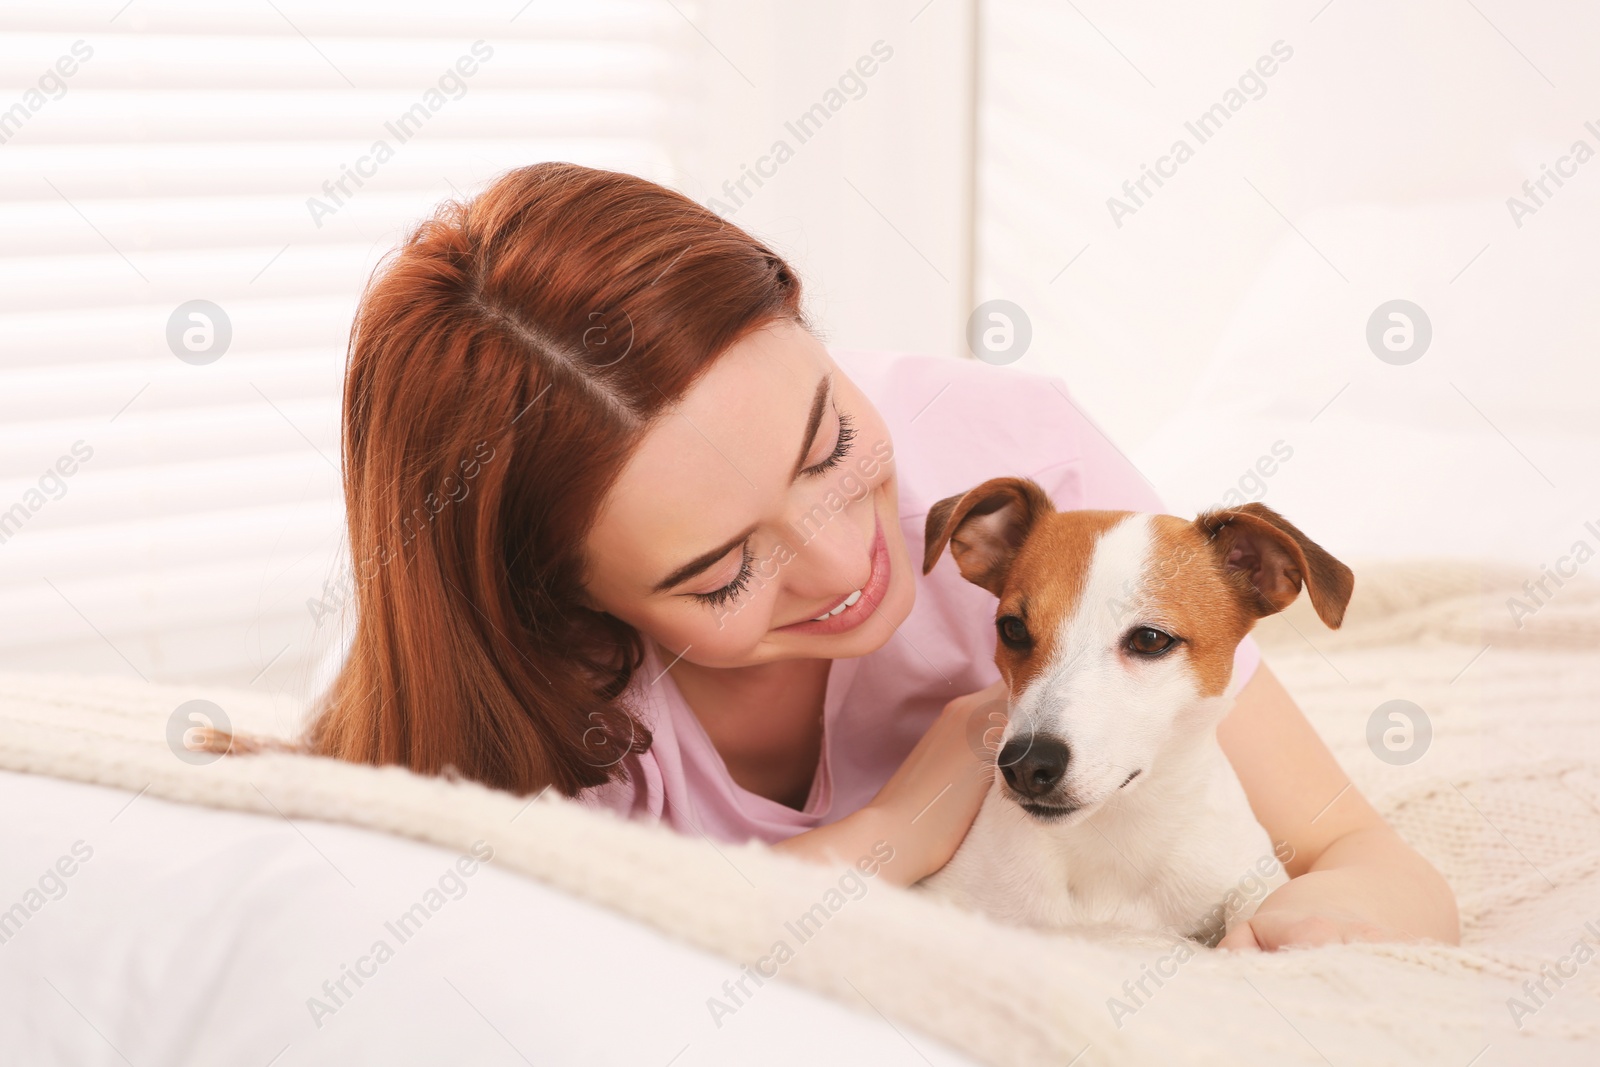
column 954, row 423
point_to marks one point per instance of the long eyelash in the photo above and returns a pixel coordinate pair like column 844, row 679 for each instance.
column 718, row 597
column 847, row 433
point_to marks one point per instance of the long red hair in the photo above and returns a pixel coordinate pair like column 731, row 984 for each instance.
column 504, row 362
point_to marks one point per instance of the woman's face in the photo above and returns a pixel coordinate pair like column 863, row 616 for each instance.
column 751, row 508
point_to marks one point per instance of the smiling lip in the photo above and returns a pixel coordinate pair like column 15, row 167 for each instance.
column 871, row 594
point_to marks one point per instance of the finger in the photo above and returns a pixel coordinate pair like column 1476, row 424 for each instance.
column 1281, row 931
column 1241, row 937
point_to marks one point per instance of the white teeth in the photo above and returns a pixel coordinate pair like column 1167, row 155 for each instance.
column 851, row 599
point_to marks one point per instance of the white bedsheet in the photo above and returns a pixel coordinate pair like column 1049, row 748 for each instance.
column 197, row 936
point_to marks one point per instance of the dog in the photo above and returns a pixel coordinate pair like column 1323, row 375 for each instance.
column 1115, row 806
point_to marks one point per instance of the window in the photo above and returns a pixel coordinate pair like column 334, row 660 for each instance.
column 192, row 197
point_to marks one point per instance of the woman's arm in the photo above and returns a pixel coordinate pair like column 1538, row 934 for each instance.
column 1352, row 877
column 926, row 807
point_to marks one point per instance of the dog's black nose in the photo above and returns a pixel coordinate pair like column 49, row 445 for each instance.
column 1033, row 766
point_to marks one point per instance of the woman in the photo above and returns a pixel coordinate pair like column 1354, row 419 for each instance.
column 599, row 473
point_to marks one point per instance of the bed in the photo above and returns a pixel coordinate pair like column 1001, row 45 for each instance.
column 230, row 912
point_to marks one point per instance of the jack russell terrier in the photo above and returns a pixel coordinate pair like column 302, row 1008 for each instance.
column 1116, row 806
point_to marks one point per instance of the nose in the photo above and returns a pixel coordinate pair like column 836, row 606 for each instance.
column 1034, row 766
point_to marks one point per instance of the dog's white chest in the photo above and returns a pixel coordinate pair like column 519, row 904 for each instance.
column 1193, row 866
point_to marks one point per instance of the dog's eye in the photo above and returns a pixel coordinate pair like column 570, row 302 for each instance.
column 1149, row 642
column 1013, row 631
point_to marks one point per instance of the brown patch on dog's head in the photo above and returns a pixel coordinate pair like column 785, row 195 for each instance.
column 1215, row 576
column 1188, row 588
column 1007, row 537
column 1045, row 586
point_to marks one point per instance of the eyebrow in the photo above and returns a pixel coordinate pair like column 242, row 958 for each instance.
column 703, row 561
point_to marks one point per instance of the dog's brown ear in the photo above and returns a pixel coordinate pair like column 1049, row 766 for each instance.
column 1267, row 559
column 985, row 527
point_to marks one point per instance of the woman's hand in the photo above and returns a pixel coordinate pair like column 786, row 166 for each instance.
column 1367, row 885
column 927, row 805
column 1306, row 911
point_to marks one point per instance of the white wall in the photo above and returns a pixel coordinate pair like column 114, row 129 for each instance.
column 1225, row 315
column 874, row 208
column 1229, row 309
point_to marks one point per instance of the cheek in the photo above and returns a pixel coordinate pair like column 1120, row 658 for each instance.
column 715, row 636
column 728, row 644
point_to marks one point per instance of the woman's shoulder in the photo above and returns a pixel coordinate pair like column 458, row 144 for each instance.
column 958, row 422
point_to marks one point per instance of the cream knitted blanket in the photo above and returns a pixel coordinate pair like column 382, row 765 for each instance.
column 1505, row 801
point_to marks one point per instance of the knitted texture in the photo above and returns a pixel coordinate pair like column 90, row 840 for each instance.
column 1505, row 801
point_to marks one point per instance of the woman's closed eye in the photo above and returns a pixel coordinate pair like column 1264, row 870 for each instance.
column 847, row 434
column 841, row 449
column 717, row 597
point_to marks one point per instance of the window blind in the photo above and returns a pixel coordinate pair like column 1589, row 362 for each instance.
column 191, row 198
